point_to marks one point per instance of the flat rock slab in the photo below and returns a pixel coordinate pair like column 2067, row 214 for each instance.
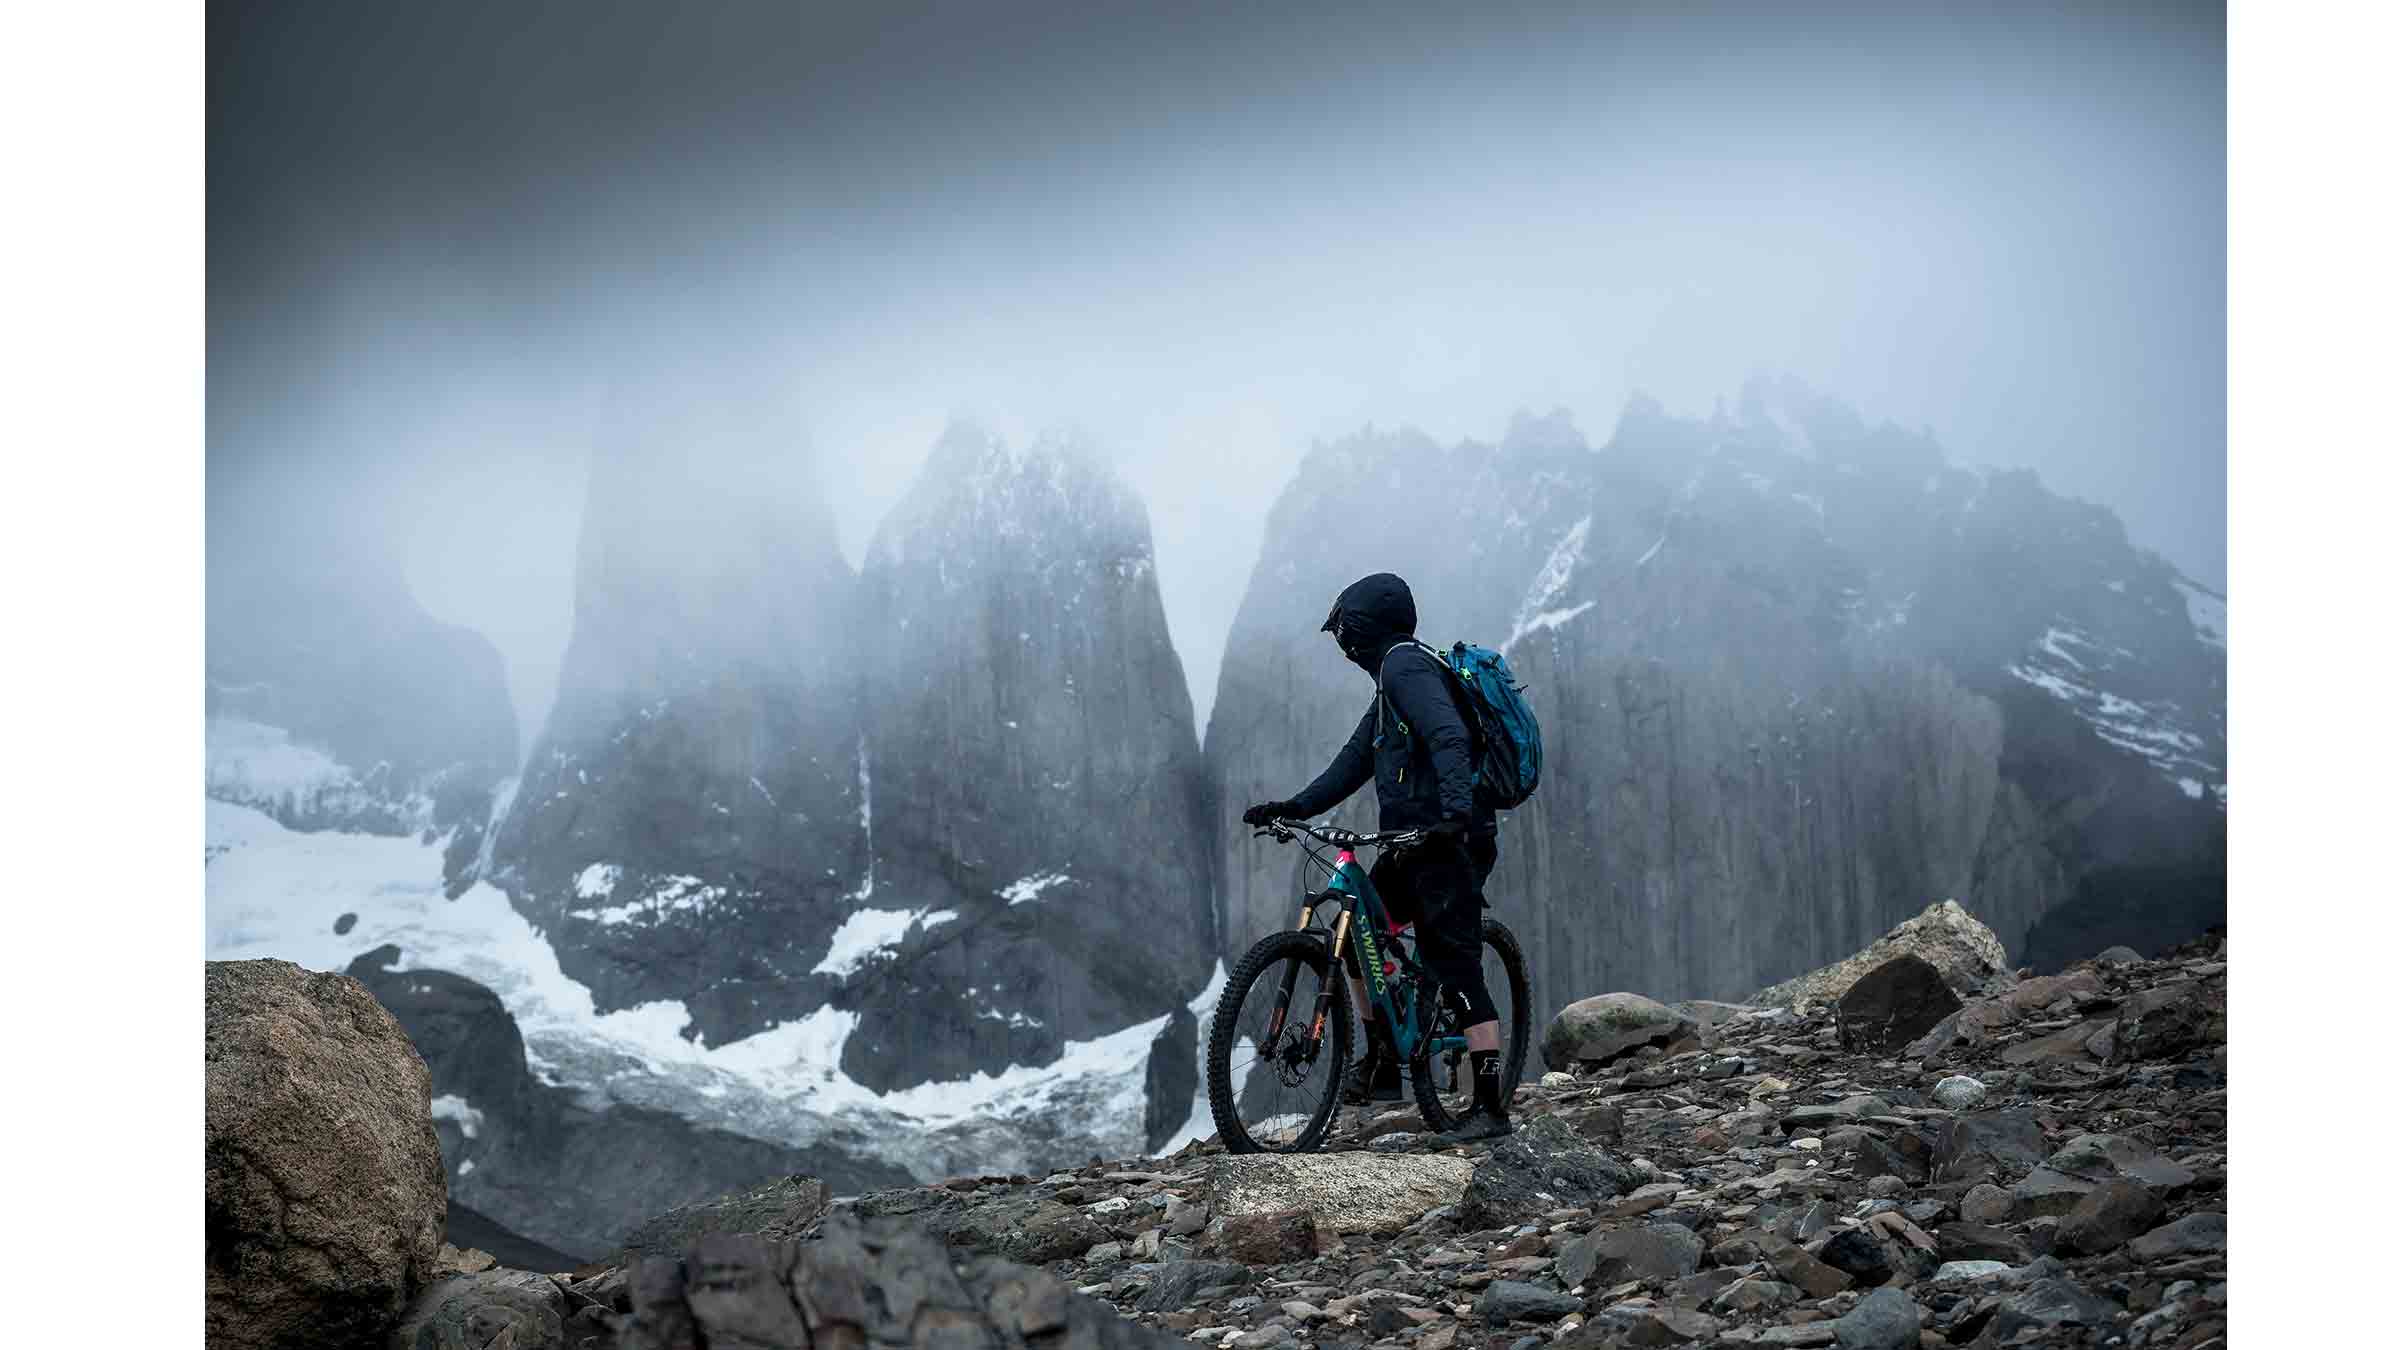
column 1512, row 1301
column 1884, row 1320
column 1348, row 1192
column 2187, row 1236
column 2068, row 1175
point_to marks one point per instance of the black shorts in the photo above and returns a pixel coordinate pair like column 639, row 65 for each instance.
column 1439, row 888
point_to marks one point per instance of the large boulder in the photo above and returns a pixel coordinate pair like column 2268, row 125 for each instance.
column 325, row 1194
column 1604, row 1026
column 1946, row 937
column 1350, row 1192
column 1894, row 1003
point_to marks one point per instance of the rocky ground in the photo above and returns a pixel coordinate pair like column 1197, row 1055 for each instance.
column 2045, row 1166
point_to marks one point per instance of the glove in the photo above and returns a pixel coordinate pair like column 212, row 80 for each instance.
column 1448, row 834
column 1266, row 811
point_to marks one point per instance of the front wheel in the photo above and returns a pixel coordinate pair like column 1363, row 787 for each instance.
column 1444, row 1083
column 1278, row 1046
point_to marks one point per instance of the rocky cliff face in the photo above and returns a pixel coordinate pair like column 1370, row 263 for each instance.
column 1038, row 835
column 937, row 819
column 690, row 820
column 334, row 701
column 1797, row 677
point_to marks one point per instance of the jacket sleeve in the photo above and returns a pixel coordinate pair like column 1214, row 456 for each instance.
column 1420, row 693
column 1348, row 773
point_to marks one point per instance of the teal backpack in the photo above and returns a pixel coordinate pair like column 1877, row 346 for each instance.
column 1508, row 740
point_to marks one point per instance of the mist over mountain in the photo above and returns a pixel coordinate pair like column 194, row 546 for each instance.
column 334, row 701
column 1798, row 676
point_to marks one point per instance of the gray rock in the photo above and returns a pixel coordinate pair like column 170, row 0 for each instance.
column 1893, row 1004
column 1985, row 1203
column 1988, row 1145
column 777, row 1210
column 1754, row 1293
column 1962, row 1271
column 2119, row 956
column 2073, row 1171
column 1959, row 1092
column 1024, row 1227
column 467, row 1312
column 1886, row 1319
column 1544, row 1166
column 1978, row 1242
column 2106, row 1216
column 1657, row 1252
column 1604, row 1026
column 1957, row 946
column 1645, row 1323
column 1172, row 1285
column 324, row 1189
column 1856, row 1253
column 2047, row 1303
column 1514, row 1301
column 2187, row 1236
column 1350, row 1192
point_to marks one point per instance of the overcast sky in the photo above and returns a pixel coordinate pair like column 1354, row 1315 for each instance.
column 454, row 247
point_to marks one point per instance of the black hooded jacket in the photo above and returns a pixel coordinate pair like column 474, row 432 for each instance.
column 1419, row 751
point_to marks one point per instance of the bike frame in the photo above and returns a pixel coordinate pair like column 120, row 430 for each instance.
column 1396, row 984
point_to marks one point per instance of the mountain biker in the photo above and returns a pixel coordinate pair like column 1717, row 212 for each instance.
column 1421, row 759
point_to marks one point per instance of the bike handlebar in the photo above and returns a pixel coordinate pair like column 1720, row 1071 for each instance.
column 1283, row 830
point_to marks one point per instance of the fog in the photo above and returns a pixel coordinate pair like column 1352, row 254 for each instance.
column 456, row 249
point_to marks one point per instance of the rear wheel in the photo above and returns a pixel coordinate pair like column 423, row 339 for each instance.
column 1444, row 1083
column 1275, row 1072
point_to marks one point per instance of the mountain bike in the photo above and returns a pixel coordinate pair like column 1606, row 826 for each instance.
column 1280, row 1040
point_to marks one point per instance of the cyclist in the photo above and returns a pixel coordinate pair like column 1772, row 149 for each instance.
column 1420, row 755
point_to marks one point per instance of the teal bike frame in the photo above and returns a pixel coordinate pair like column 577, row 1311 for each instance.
column 1400, row 989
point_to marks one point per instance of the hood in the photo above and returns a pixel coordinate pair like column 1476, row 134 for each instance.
column 1369, row 616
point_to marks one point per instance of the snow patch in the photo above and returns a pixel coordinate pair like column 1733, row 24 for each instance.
column 667, row 895
column 872, row 934
column 1536, row 612
column 1024, row 890
column 597, row 882
column 456, row 1109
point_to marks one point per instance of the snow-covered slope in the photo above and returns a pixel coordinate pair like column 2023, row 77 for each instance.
column 322, row 898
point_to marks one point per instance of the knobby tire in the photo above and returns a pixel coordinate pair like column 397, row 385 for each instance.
column 1266, row 961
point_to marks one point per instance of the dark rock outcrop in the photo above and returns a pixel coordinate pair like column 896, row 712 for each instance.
column 1041, row 801
column 325, row 1194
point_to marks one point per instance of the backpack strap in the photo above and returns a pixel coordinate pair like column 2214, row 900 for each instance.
column 1383, row 701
